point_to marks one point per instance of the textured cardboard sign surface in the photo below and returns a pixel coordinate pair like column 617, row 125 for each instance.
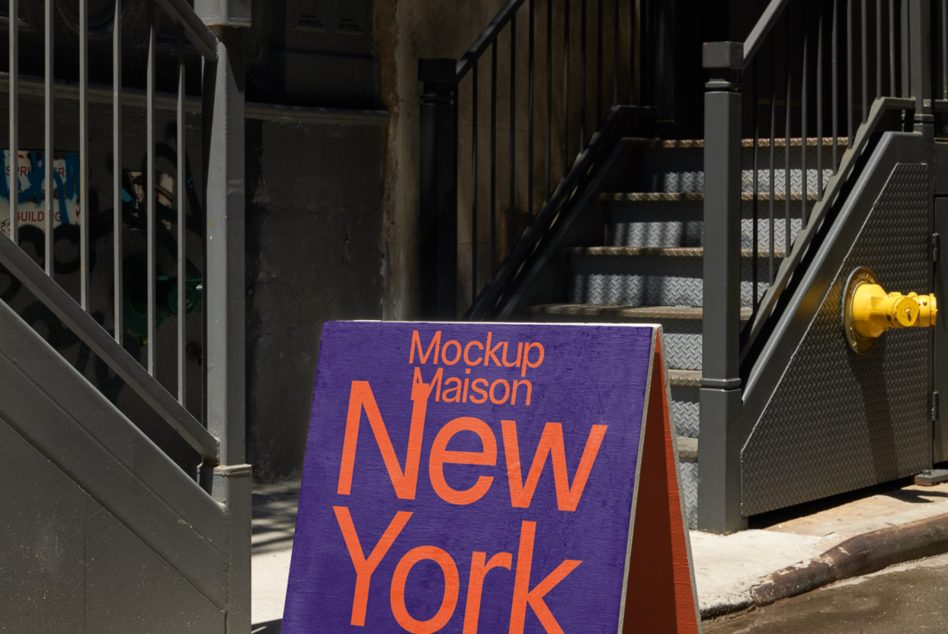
column 589, row 376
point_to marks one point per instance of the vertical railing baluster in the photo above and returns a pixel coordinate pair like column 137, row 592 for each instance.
column 864, row 35
column 893, row 86
column 548, row 164
column 879, row 63
column 943, row 45
column 117, row 173
column 564, row 145
column 850, row 74
column 530, row 104
column 474, row 237
column 755, row 126
column 615, row 52
column 181, row 229
column 904, row 46
column 834, row 89
column 633, row 40
column 787, row 174
column 85, row 217
column 804, row 108
column 13, row 177
column 513, row 117
column 772, row 168
column 150, row 189
column 599, row 54
column 493, row 157
column 582, row 74
column 819, row 102
column 48, row 185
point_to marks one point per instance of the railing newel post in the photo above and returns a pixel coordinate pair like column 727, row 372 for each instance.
column 720, row 394
column 438, row 207
column 225, row 296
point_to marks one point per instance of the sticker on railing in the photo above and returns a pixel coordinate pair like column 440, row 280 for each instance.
column 31, row 185
column 492, row 478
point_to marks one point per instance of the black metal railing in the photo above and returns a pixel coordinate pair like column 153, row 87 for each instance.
column 787, row 114
column 503, row 126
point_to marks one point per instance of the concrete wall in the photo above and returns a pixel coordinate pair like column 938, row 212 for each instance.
column 314, row 195
column 406, row 31
column 333, row 223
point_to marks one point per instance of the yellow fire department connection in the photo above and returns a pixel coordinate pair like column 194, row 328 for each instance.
column 869, row 311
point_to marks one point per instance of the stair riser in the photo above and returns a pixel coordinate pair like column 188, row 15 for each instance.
column 693, row 182
column 684, row 410
column 683, row 169
column 682, row 337
column 647, row 224
column 688, row 487
column 649, row 280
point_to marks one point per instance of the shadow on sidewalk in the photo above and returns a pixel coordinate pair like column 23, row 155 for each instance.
column 274, row 516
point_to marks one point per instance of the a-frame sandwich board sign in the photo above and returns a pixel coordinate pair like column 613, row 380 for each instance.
column 465, row 477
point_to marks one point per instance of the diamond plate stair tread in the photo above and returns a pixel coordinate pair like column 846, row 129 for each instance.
column 623, row 311
column 688, row 144
column 679, row 197
column 678, row 252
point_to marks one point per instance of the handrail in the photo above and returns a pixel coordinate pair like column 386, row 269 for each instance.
column 197, row 32
column 54, row 297
column 616, row 124
column 768, row 20
column 543, row 58
column 486, row 38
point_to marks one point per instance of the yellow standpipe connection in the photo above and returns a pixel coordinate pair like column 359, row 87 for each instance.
column 869, row 311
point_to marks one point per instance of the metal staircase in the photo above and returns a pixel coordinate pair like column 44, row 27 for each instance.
column 649, row 266
column 126, row 495
column 817, row 126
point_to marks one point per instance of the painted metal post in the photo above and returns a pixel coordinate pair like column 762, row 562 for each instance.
column 223, row 110
column 439, row 186
column 720, row 396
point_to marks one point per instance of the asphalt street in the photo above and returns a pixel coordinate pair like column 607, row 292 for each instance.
column 911, row 597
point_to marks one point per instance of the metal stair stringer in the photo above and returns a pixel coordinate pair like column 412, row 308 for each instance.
column 119, row 497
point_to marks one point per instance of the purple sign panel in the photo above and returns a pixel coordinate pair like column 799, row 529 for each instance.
column 469, row 478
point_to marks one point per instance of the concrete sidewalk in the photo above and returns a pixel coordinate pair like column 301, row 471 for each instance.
column 727, row 567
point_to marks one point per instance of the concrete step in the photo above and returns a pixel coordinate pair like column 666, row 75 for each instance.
column 650, row 276
column 656, row 219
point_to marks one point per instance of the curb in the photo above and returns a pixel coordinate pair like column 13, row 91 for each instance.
column 859, row 555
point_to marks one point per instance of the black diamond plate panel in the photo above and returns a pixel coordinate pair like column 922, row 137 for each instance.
column 838, row 421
